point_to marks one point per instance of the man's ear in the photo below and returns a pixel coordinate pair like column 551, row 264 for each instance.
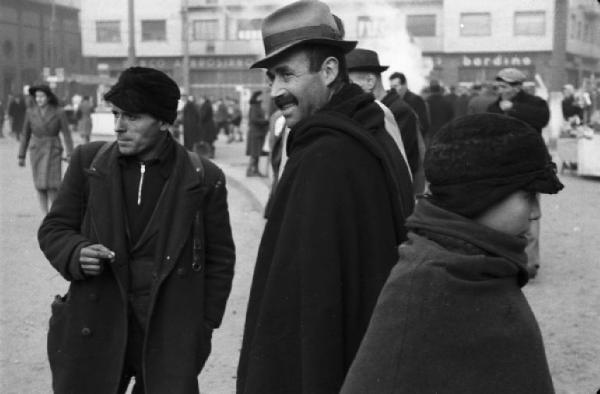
column 330, row 70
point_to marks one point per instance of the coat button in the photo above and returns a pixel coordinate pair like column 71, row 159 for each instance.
column 93, row 297
column 180, row 271
column 86, row 332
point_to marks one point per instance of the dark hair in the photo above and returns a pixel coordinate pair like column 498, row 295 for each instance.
column 255, row 96
column 318, row 53
column 400, row 76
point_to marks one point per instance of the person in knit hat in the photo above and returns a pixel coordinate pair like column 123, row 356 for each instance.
column 451, row 317
column 140, row 229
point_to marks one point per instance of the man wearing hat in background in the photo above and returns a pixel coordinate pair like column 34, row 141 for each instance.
column 141, row 230
column 336, row 216
column 514, row 101
column 451, row 317
column 364, row 70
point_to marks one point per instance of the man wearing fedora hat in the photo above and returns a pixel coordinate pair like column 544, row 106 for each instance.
column 365, row 70
column 336, row 217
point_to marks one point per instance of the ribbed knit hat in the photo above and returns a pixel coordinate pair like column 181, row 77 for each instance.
column 476, row 161
column 146, row 90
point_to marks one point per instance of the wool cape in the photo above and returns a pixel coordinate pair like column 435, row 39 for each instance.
column 452, row 318
column 327, row 248
column 89, row 325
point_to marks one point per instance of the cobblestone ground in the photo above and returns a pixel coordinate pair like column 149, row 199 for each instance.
column 565, row 297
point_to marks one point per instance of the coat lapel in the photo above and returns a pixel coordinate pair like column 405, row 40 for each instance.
column 182, row 199
column 106, row 200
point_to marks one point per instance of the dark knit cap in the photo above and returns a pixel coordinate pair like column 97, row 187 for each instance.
column 476, row 161
column 146, row 91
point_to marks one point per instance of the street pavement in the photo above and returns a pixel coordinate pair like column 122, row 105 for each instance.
column 565, row 297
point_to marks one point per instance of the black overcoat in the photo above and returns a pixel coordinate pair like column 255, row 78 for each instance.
column 258, row 125
column 88, row 327
column 327, row 248
column 530, row 109
column 191, row 125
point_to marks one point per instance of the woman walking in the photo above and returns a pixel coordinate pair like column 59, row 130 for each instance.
column 42, row 124
column 257, row 130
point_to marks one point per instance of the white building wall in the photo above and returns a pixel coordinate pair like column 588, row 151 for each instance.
column 94, row 10
column 502, row 36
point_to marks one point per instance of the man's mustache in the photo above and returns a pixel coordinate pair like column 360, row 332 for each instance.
column 282, row 101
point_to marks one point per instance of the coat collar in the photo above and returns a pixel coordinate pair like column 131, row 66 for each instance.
column 181, row 201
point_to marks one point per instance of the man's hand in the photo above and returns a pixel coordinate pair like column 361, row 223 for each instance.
column 93, row 257
column 21, row 162
column 505, row 105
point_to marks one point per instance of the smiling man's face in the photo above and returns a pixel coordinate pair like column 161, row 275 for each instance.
column 297, row 91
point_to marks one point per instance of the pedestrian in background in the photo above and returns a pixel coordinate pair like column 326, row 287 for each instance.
column 440, row 109
column 84, row 118
column 17, row 108
column 451, row 317
column 484, row 98
column 208, row 131
column 43, row 124
column 365, row 71
column 191, row 123
column 399, row 83
column 141, row 231
column 221, row 117
column 235, row 114
column 258, row 125
column 514, row 101
column 2, row 117
column 336, row 217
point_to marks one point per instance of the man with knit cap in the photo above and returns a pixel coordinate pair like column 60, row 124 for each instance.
column 451, row 317
column 336, row 217
column 140, row 229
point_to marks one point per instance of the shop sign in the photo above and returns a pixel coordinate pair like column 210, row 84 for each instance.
column 201, row 62
column 496, row 61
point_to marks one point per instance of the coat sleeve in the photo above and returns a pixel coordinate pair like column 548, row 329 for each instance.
column 25, row 137
column 533, row 111
column 59, row 235
column 220, row 252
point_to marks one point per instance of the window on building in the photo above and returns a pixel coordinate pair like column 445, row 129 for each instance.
column 579, row 30
column 205, row 29
column 530, row 23
column 370, row 27
column 475, row 24
column 108, row 31
column 573, row 26
column 420, row 25
column 154, row 30
column 249, row 29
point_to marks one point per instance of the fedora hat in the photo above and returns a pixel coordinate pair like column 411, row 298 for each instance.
column 300, row 22
column 364, row 60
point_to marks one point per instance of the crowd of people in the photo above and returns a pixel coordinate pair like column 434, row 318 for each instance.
column 400, row 228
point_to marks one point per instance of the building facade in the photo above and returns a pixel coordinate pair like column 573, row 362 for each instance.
column 456, row 41
column 39, row 39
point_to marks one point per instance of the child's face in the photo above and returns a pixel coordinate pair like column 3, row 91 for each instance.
column 514, row 214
